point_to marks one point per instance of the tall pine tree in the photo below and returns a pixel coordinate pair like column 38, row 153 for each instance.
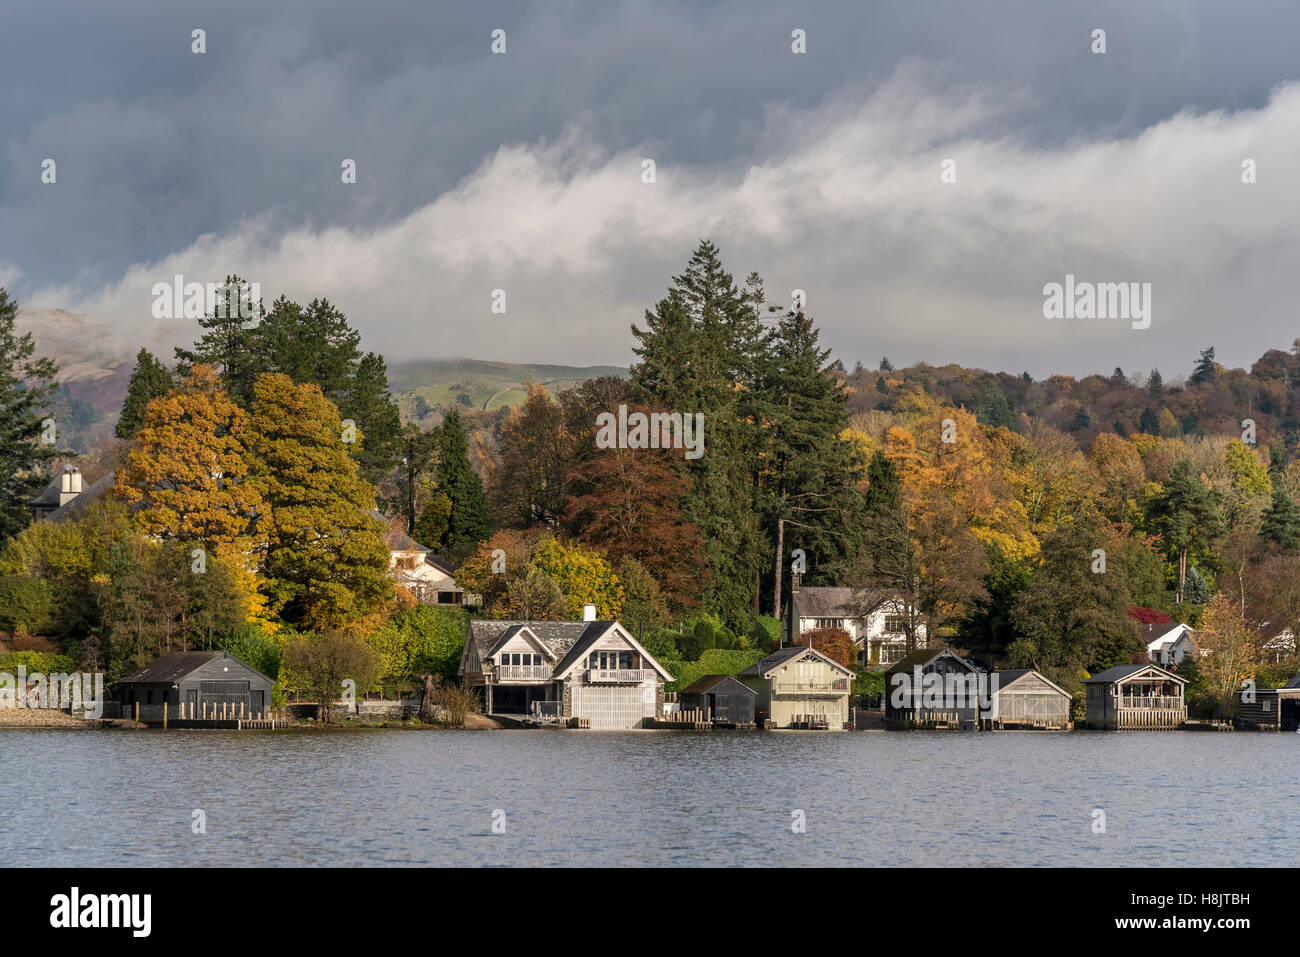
column 456, row 478
column 699, row 354
column 150, row 380
column 26, row 384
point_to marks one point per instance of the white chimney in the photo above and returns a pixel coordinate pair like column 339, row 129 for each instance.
column 76, row 481
column 66, row 487
column 69, row 485
column 588, row 612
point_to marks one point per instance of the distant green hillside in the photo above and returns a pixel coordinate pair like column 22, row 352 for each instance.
column 478, row 384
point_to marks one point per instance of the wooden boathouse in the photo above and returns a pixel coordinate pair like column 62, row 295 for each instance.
column 1026, row 699
column 1270, row 709
column 721, row 698
column 1136, row 698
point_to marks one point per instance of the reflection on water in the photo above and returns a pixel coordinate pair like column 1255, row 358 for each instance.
column 363, row 798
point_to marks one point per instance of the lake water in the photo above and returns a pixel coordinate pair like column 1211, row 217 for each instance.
column 90, row 798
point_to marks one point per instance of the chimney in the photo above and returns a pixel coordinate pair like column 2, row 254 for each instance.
column 588, row 612
column 70, row 485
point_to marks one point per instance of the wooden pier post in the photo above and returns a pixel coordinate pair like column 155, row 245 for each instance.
column 164, row 714
column 137, row 712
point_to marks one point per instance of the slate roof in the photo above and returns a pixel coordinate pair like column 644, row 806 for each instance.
column 828, row 601
column 395, row 539
column 922, row 657
column 558, row 636
column 89, row 496
column 50, row 495
column 175, row 666
column 585, row 640
column 1293, row 683
column 1111, row 675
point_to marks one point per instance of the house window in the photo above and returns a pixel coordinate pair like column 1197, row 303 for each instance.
column 406, row 564
column 895, row 624
column 625, row 659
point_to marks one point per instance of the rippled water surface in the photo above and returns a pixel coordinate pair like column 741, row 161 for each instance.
column 87, row 798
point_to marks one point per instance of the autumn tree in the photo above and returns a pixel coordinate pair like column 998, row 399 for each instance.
column 325, row 561
column 1233, row 651
column 834, row 643
column 321, row 663
column 187, row 470
column 527, row 483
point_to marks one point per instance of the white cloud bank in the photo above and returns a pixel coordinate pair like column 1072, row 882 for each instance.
column 846, row 202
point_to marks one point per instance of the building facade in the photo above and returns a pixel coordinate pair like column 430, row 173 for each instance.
column 592, row 671
column 799, row 687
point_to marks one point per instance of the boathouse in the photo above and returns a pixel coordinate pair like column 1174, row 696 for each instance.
column 1270, row 709
column 1025, row 699
column 196, row 685
column 721, row 698
column 799, row 687
column 934, row 687
column 1136, row 697
column 588, row 673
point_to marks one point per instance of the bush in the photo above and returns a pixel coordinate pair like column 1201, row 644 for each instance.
column 764, row 631
column 36, row 661
column 251, row 645
column 714, row 661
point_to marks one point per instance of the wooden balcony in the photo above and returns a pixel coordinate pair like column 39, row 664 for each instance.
column 523, row 673
column 836, row 687
column 618, row 676
column 1152, row 702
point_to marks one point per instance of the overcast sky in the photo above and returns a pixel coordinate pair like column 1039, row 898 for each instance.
column 522, row 171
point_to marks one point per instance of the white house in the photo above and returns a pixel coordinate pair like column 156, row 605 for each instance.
column 879, row 634
column 590, row 670
column 422, row 573
column 1172, row 644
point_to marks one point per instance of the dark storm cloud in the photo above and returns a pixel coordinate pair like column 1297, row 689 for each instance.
column 157, row 147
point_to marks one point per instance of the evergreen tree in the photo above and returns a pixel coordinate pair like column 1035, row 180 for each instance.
column 1281, row 523
column 885, row 364
column 1149, row 422
column 312, row 345
column 149, row 380
column 26, row 384
column 809, row 482
column 1156, row 386
column 431, row 529
column 1117, row 377
column 456, row 478
column 1081, row 419
column 996, row 410
column 698, row 354
column 1205, row 371
column 325, row 562
column 1186, row 514
column 228, row 343
column 369, row 405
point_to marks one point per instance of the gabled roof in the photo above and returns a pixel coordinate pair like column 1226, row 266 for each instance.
column 923, row 656
column 594, row 631
column 776, row 659
column 440, row 563
column 1005, row 679
column 707, row 683
column 1170, row 636
column 395, row 539
column 1293, row 683
column 557, row 636
column 88, row 497
column 513, row 630
column 828, row 601
column 175, row 666
column 1120, row 672
column 51, row 493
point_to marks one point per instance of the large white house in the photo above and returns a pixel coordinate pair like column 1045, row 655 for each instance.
column 426, row 576
column 877, row 624
column 590, row 670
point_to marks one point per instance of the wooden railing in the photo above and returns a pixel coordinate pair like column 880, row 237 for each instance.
column 1160, row 702
column 800, row 687
column 523, row 672
column 617, row 676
